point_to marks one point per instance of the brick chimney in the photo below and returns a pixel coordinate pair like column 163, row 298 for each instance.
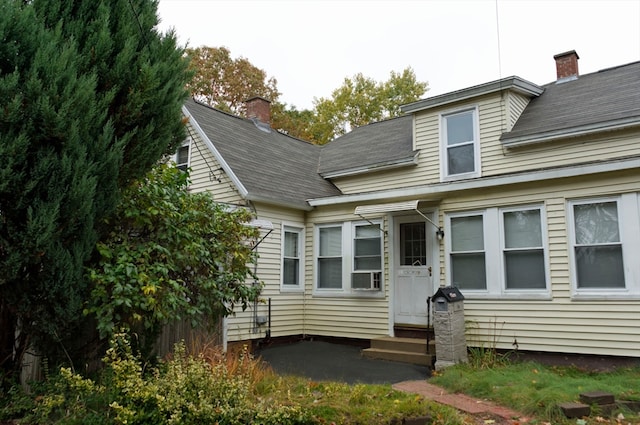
column 259, row 108
column 567, row 65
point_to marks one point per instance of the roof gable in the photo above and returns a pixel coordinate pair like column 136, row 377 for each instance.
column 271, row 166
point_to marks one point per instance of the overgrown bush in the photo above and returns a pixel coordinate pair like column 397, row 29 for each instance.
column 183, row 390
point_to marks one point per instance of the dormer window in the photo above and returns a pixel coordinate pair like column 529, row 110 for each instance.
column 460, row 145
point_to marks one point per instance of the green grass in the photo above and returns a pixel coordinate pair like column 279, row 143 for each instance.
column 537, row 390
column 339, row 403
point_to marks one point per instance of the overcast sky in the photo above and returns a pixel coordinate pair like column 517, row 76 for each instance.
column 311, row 46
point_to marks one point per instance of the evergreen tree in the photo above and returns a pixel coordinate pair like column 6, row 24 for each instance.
column 91, row 98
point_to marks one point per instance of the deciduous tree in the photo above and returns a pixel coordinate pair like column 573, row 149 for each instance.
column 226, row 83
column 361, row 100
column 171, row 254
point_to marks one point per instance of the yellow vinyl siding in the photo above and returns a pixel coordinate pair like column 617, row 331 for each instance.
column 559, row 324
column 577, row 150
column 348, row 315
column 287, row 308
column 496, row 115
column 207, row 174
column 516, row 104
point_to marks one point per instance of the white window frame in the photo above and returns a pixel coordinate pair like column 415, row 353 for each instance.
column 628, row 206
column 449, row 247
column 444, row 148
column 375, row 275
column 348, row 229
column 299, row 231
column 493, row 228
column 185, row 165
column 545, row 253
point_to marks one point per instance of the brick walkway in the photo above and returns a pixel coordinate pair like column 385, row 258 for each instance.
column 461, row 402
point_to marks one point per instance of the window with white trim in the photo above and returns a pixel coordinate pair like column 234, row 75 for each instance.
column 604, row 239
column 367, row 257
column 182, row 155
column 498, row 252
column 292, row 258
column 523, row 249
column 468, row 262
column 329, row 259
column 349, row 257
column 460, row 144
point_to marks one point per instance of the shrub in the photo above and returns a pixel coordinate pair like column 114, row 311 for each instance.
column 185, row 389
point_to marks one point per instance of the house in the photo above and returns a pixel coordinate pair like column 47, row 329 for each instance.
column 525, row 197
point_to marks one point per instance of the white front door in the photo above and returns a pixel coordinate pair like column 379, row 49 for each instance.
column 414, row 269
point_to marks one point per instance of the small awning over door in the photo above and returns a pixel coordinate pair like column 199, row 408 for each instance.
column 363, row 210
column 368, row 210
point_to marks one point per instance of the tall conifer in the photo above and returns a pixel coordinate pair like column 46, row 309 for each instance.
column 90, row 99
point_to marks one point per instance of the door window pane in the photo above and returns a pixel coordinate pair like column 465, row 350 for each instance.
column 413, row 244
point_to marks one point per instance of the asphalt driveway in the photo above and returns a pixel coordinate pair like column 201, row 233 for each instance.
column 325, row 361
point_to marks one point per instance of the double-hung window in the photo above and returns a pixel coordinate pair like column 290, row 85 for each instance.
column 182, row 157
column 498, row 252
column 460, row 145
column 367, row 257
column 349, row 258
column 467, row 254
column 292, row 258
column 523, row 249
column 329, row 260
column 604, row 237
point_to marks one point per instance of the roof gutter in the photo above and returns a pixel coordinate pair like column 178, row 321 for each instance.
column 437, row 190
column 585, row 130
column 292, row 205
column 516, row 84
column 404, row 162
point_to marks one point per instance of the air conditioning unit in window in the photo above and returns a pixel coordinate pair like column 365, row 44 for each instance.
column 366, row 281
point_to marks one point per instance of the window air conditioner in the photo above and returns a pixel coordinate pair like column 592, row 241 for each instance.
column 366, row 281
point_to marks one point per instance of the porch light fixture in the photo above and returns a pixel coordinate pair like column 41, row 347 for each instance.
column 440, row 233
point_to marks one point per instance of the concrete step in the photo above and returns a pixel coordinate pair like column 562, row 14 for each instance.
column 409, row 345
column 398, row 356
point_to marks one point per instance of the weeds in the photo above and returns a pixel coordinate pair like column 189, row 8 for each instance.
column 207, row 386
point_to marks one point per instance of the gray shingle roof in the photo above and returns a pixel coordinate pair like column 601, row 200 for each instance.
column 592, row 101
column 375, row 145
column 272, row 167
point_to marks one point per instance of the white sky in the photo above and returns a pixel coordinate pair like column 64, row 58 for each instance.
column 310, row 46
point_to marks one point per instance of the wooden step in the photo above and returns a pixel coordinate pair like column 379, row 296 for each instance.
column 410, row 345
column 412, row 331
column 405, row 350
column 399, row 356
